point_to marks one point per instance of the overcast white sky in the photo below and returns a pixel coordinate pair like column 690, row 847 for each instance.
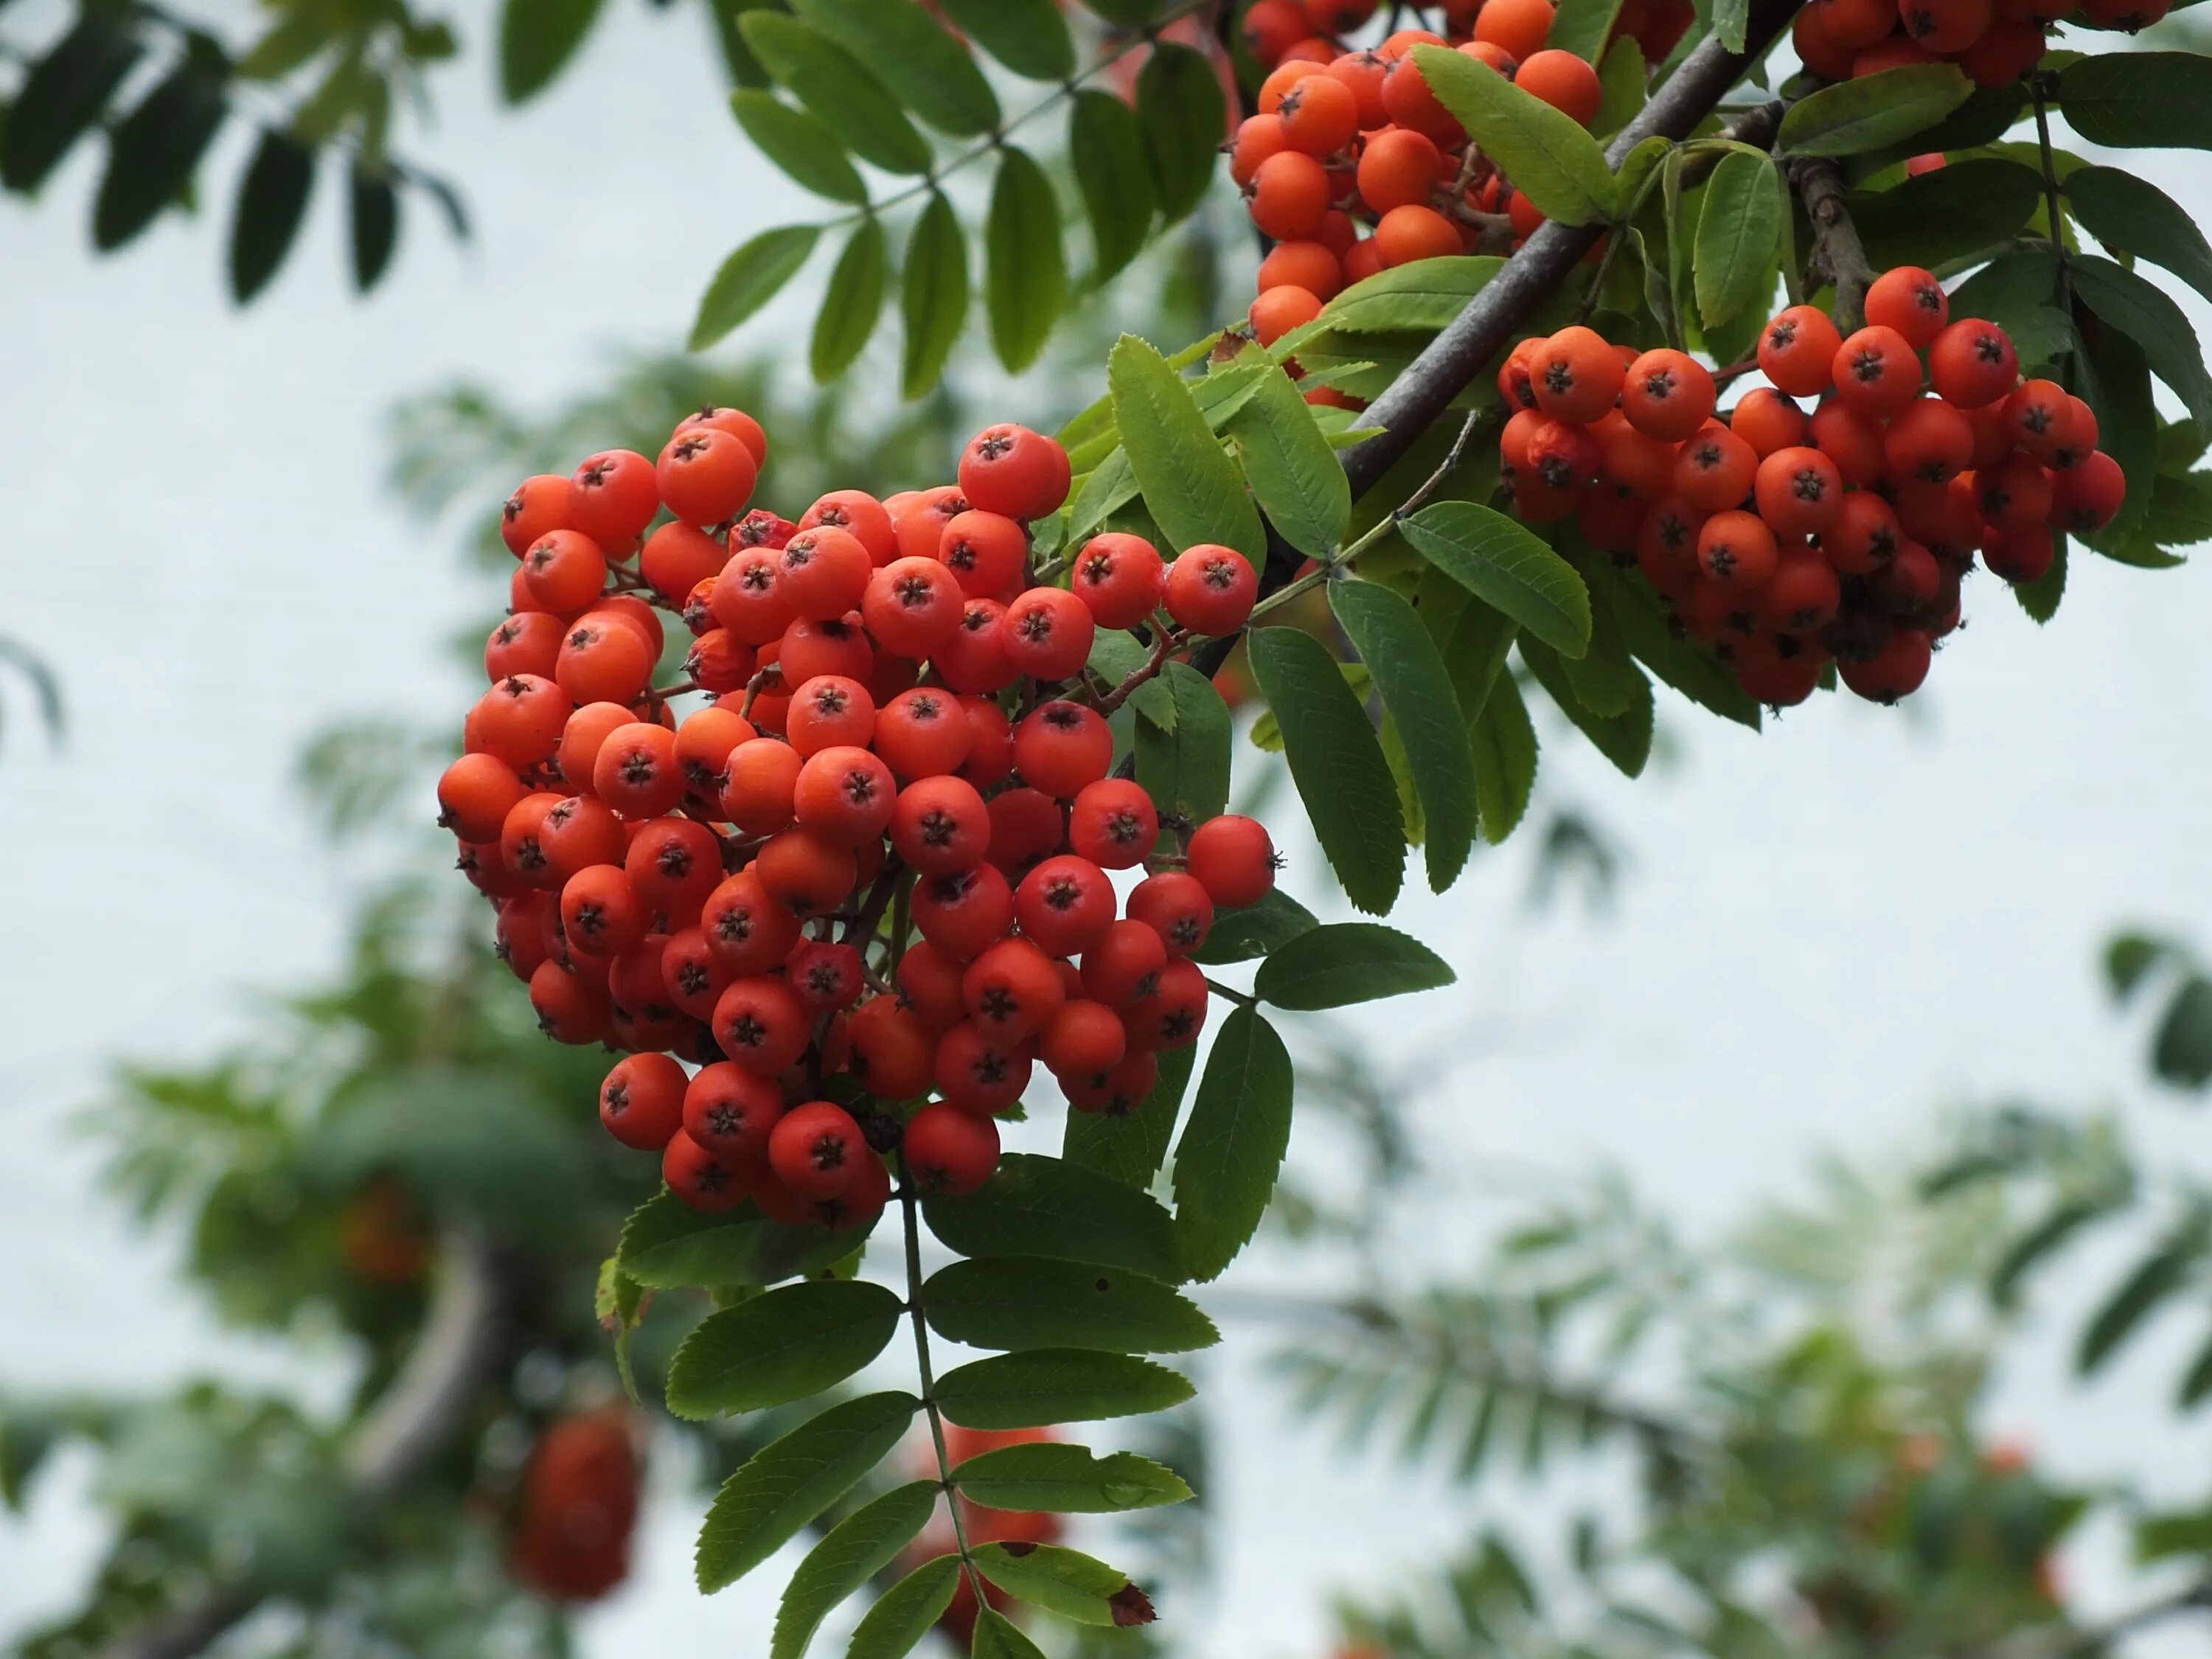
column 1825, row 934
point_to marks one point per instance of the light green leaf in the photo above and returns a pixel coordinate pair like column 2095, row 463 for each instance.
column 851, row 304
column 1065, row 1582
column 1036, row 1205
column 1024, row 274
column 537, row 39
column 1063, row 1480
column 1190, row 486
column 934, row 301
column 1506, row 566
column 1106, row 148
column 1424, row 295
column 1030, row 37
column 1549, row 156
column 1738, row 231
column 1020, row 1301
column 2133, row 215
column 806, row 149
column 783, row 1345
column 791, row 1480
column 749, row 279
column 1624, row 86
column 1056, row 1385
column 1732, row 23
column 1417, row 690
column 1182, row 113
column 1582, row 27
column 850, row 1554
column 2139, row 100
column 839, row 89
column 914, row 55
column 1291, row 466
column 1232, row 1148
column 1256, row 930
column 998, row 1636
column 1853, row 116
column 1336, row 764
column 666, row 1245
column 1504, row 760
column 907, row 1611
column 1348, row 961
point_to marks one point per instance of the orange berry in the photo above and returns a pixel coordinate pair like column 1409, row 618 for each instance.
column 1564, row 80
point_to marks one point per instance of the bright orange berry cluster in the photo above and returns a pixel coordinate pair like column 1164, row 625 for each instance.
column 1994, row 42
column 888, row 705
column 1347, row 142
column 1787, row 542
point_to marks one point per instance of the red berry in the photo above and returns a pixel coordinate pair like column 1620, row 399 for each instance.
column 641, row 1101
column 1014, row 471
column 950, row 1153
column 1232, row 858
column 816, row 1150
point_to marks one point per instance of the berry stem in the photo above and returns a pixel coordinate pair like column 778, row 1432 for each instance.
column 2038, row 86
column 1243, row 999
column 910, row 1207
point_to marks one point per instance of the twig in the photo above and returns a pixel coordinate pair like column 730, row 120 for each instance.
column 909, row 1202
column 1836, row 249
column 2039, row 85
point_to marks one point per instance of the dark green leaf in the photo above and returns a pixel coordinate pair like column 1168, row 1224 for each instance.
column 1294, row 473
column 839, row 89
column 1336, row 764
column 154, row 150
column 2130, row 959
column 2139, row 100
column 2035, row 1244
column 372, row 211
column 1064, row 1480
column 2116, row 386
column 667, row 1245
column 2133, row 215
column 1623, row 737
column 2182, row 1051
column 1106, row 148
column 62, row 95
column 1504, row 564
column 1187, row 770
column 1030, row 37
column 1504, row 760
column 793, row 1479
column 1183, row 111
column 750, row 278
column 850, row 1554
column 1956, row 212
column 1739, row 229
column 1856, row 116
column 934, row 303
column 1056, row 1385
column 907, row 1611
column 1694, row 672
column 271, row 201
column 851, row 304
column 804, row 148
column 1549, row 156
column 2158, row 1276
column 1348, row 961
column 1233, row 1147
column 1035, row 1206
column 1425, row 295
column 1417, row 690
column 1025, row 276
column 537, row 39
column 2040, row 598
column 1190, row 486
column 1130, row 1147
column 998, row 1636
column 1253, row 931
column 1063, row 1581
column 785, row 1345
column 916, row 55
column 745, row 69
column 2196, row 1382
column 1582, row 27
column 2147, row 315
column 1019, row 1302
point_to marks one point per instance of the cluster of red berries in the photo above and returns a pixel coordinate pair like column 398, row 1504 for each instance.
column 1787, row 541
column 1352, row 141
column 895, row 718
column 1994, row 42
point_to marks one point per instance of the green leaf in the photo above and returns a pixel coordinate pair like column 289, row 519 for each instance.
column 1336, row 764
column 666, row 1245
column 2040, row 598
column 1853, row 116
column 1696, row 673
column 1424, row 295
column 2114, row 378
column 1549, row 156
column 1732, row 23
column 998, row 1636
column 1293, row 471
column 1059, row 1478
column 154, row 150
column 791, row 1480
column 1063, row 1581
column 537, row 39
column 1056, row 1385
column 1016, row 1302
column 1256, row 929
column 839, row 90
column 782, row 1346
column 1624, row 86
column 1623, row 737
column 1035, row 1206
column 2181, row 1053
column 373, row 218
column 1738, row 232
column 1106, row 148
column 750, row 278
column 2037, row 1243
column 1030, row 37
column 1504, row 760
column 1190, row 487
column 1348, row 961
column 2147, row 315
column 1233, row 1147
column 2139, row 100
column 1582, row 27
column 914, row 55
column 1187, row 770
column 907, row 1611
column 1130, row 1147
column 272, row 201
column 1504, row 564
column 1417, row 690
column 62, row 95
column 1024, row 275
column 933, row 302
column 850, row 1554
column 744, row 69
column 2159, row 1276
column 1956, row 212
column 1183, row 113
column 851, row 304
column 806, row 149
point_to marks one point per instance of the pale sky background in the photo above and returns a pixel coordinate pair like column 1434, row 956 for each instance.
column 1824, row 934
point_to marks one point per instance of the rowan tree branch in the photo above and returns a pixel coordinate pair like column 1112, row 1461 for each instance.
column 1837, row 251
